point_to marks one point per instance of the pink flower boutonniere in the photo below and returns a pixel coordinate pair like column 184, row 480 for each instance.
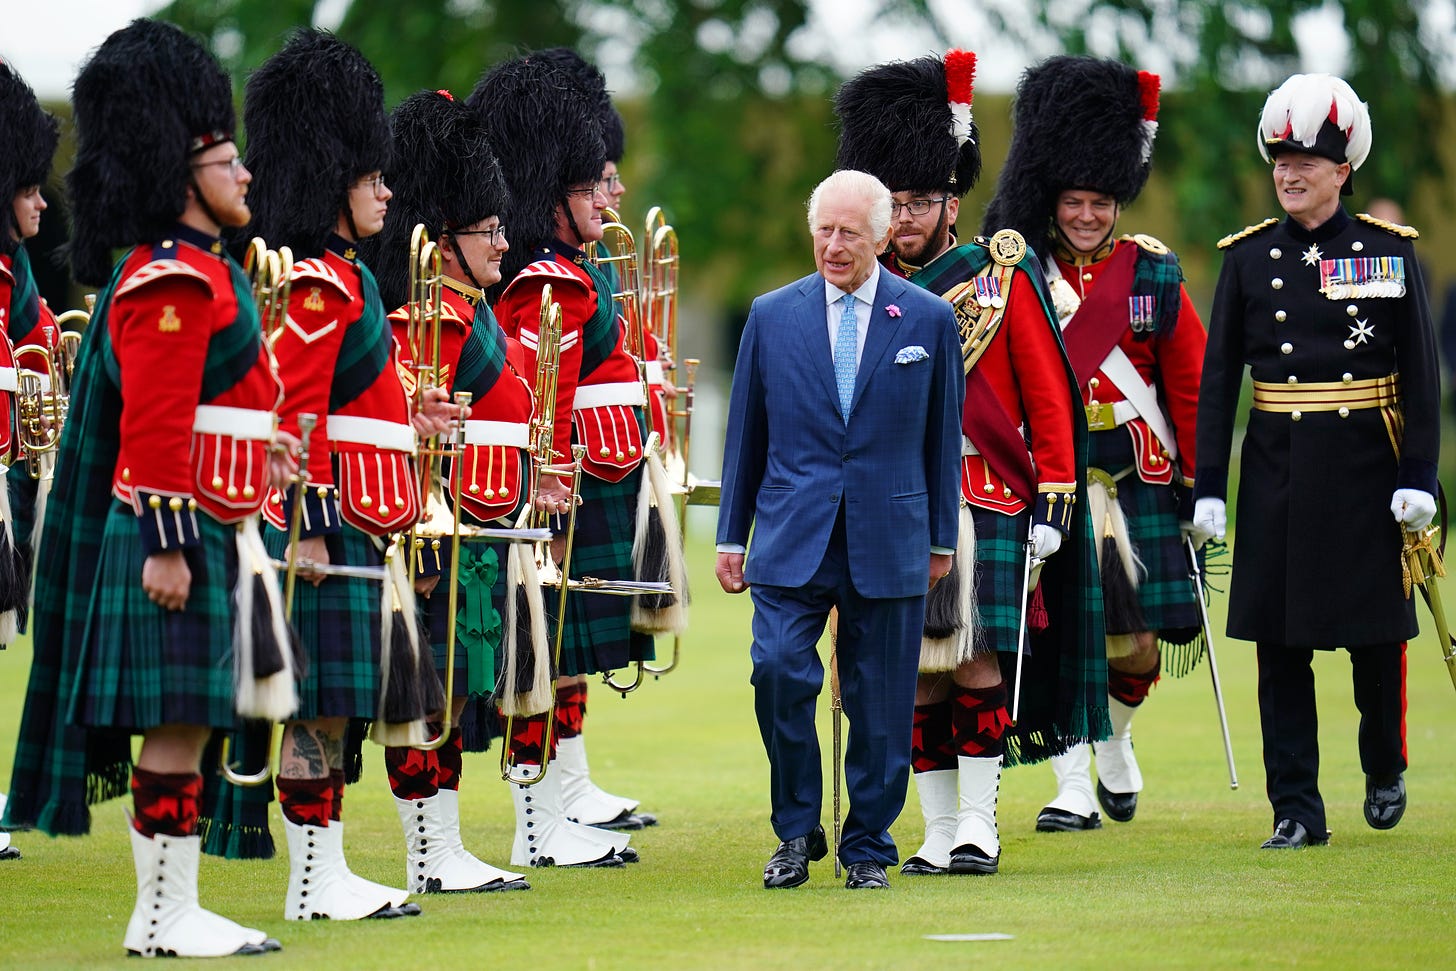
column 892, row 310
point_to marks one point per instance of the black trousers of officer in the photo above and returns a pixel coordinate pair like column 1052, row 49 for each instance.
column 1290, row 724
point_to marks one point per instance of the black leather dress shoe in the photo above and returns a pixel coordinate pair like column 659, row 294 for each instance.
column 866, row 876
column 1119, row 806
column 918, row 866
column 623, row 820
column 789, row 866
column 1053, row 820
column 1291, row 835
column 973, row 860
column 1384, row 803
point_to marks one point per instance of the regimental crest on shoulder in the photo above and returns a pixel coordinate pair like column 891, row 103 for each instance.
column 169, row 322
column 1007, row 247
column 1149, row 243
column 1408, row 232
column 1246, row 232
column 315, row 299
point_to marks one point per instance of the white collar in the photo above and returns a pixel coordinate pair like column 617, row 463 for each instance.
column 866, row 291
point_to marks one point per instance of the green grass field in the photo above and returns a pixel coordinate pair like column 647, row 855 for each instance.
column 1182, row 886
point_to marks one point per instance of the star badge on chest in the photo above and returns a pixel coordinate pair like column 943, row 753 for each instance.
column 1312, row 256
column 1360, row 333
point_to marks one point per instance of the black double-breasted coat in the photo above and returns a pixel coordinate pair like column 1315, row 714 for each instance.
column 1317, row 559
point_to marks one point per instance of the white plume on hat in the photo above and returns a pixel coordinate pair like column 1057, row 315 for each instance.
column 1298, row 108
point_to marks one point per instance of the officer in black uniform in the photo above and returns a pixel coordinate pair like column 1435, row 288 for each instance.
column 1329, row 312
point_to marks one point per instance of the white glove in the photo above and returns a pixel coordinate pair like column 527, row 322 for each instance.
column 1210, row 516
column 1413, row 508
column 1197, row 534
column 1045, row 540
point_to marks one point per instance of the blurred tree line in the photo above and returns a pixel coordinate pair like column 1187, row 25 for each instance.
column 729, row 125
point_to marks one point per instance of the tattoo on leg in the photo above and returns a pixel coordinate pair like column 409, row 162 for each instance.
column 333, row 748
column 306, row 760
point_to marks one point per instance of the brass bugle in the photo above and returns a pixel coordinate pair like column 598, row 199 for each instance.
column 306, row 424
column 40, row 409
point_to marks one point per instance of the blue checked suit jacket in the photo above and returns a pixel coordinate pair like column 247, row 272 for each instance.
column 790, row 460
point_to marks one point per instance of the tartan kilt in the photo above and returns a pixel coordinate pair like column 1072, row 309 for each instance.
column 1165, row 593
column 598, row 636
column 338, row 624
column 478, row 618
column 142, row 666
column 1000, row 562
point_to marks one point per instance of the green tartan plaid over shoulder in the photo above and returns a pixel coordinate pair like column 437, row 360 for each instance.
column 1064, row 684
column 1160, row 276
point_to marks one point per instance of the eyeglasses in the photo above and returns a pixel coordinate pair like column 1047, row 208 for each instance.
column 610, row 183
column 916, row 207
column 587, row 190
column 496, row 235
column 234, row 164
column 375, row 184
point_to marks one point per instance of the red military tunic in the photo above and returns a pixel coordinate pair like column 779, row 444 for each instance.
column 337, row 359
column 1169, row 363
column 170, row 300
column 496, row 434
column 599, row 387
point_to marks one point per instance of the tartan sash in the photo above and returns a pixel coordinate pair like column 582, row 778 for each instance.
column 600, row 334
column 24, row 300
column 367, row 348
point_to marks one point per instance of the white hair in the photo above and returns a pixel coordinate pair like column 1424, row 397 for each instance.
column 860, row 185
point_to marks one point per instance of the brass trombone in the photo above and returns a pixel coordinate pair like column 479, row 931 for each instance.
column 543, row 455
column 425, row 319
column 270, row 272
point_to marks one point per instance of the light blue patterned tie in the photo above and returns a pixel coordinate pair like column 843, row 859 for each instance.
column 846, row 343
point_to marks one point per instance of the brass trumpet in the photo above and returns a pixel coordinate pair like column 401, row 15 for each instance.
column 41, row 407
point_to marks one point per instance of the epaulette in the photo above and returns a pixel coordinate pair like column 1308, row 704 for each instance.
column 160, row 270
column 1152, row 244
column 550, row 268
column 1246, row 232
column 317, row 269
column 1396, row 229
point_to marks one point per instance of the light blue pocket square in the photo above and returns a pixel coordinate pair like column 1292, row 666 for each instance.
column 911, row 354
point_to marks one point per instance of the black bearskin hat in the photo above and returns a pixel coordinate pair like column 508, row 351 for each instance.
column 549, row 139
column 908, row 123
column 148, row 98
column 27, row 147
column 315, row 117
column 1080, row 123
column 594, row 84
column 443, row 174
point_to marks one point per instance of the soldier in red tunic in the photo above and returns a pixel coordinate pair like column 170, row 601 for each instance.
column 319, row 139
column 445, row 178
column 139, row 625
column 25, row 163
column 1136, row 345
column 552, row 168
column 909, row 123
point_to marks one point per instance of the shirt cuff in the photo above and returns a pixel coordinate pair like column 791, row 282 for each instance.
column 942, row 551
column 731, row 548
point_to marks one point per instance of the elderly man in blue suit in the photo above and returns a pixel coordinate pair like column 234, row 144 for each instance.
column 843, row 454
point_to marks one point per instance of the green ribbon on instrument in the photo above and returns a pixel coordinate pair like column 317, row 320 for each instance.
column 477, row 622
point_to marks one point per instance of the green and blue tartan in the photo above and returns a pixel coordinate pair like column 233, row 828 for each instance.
column 62, row 768
column 1064, row 685
column 1158, row 275
column 339, row 626
column 1000, row 563
column 141, row 665
column 598, row 636
column 1165, row 591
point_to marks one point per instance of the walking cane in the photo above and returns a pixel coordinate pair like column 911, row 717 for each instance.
column 1196, row 575
column 1021, row 631
column 836, row 708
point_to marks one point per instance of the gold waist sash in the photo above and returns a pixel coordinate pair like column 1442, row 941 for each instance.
column 1328, row 395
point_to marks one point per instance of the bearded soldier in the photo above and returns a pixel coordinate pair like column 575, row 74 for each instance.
column 1329, row 312
column 910, row 124
column 156, row 611
column 1136, row 345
